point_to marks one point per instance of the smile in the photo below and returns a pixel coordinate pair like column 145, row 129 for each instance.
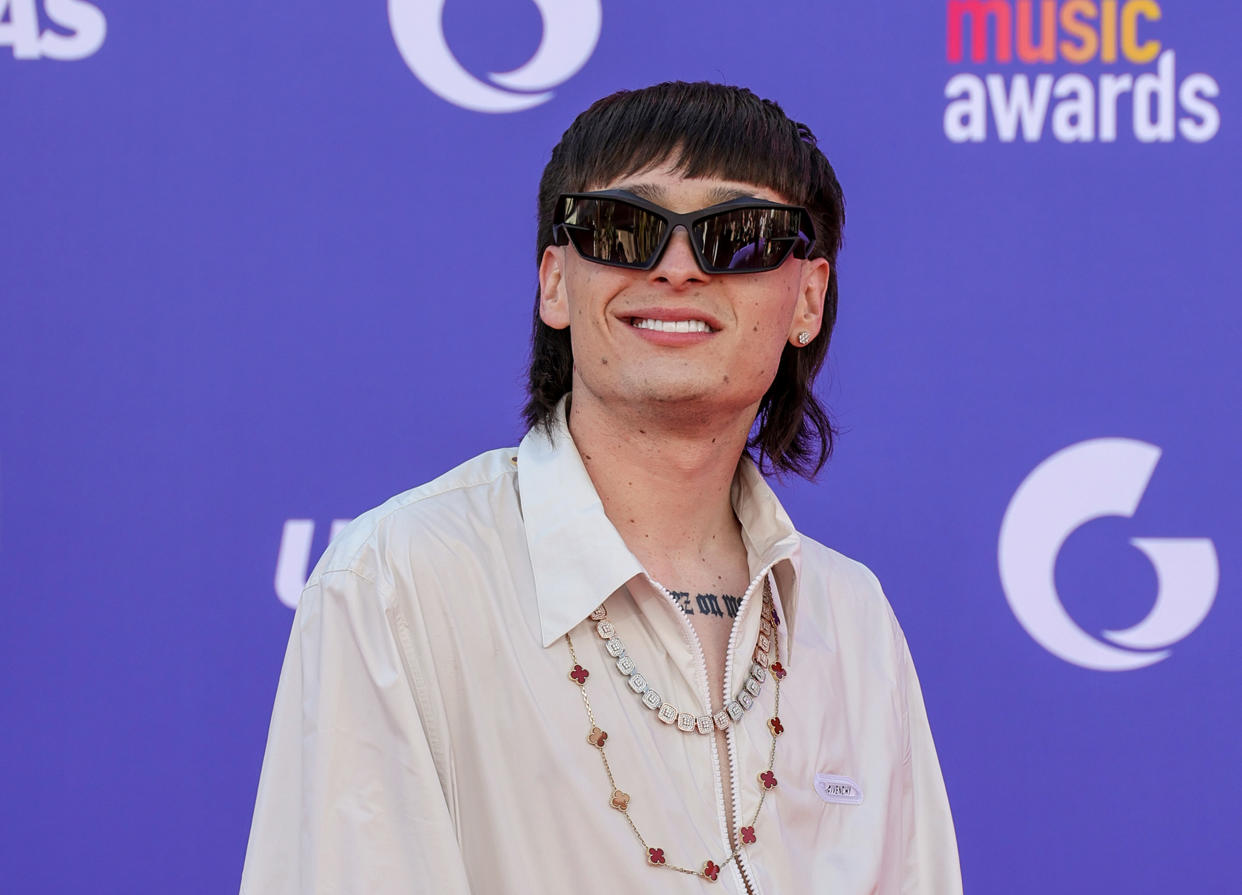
column 671, row 326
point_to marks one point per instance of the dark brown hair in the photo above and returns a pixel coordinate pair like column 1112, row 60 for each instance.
column 705, row 130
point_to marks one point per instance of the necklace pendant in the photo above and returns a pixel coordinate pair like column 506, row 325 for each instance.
column 711, row 870
column 703, row 723
column 667, row 713
column 605, row 630
column 685, row 722
column 721, row 720
column 620, row 800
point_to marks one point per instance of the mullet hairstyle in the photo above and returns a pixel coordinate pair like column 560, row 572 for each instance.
column 704, row 130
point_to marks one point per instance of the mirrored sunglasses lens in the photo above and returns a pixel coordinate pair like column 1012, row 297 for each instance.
column 612, row 231
column 750, row 238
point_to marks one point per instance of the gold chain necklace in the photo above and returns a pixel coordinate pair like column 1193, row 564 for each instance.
column 620, row 800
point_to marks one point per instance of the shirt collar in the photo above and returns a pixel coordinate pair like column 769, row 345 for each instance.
column 578, row 556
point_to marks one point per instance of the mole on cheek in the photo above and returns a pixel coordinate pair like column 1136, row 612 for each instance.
column 604, row 361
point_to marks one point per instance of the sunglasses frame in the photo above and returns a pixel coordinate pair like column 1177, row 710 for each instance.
column 673, row 220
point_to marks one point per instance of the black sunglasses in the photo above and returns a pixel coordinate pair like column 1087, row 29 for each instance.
column 741, row 236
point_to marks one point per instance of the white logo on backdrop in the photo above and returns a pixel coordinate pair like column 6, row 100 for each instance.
column 293, row 560
column 81, row 29
column 570, row 32
column 1086, row 481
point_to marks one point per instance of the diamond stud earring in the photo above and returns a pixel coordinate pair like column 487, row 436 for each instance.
column 804, row 337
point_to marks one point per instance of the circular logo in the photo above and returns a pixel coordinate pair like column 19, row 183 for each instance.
column 1086, row 481
column 570, row 32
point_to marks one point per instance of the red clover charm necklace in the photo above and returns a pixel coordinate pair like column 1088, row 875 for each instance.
column 766, row 660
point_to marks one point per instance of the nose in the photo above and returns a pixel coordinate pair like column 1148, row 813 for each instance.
column 678, row 266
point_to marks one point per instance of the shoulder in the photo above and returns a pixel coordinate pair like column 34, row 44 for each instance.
column 851, row 578
column 448, row 506
column 844, row 594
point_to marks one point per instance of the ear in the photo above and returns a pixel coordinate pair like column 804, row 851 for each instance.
column 553, row 298
column 809, row 311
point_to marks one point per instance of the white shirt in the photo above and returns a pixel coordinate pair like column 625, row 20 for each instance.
column 426, row 736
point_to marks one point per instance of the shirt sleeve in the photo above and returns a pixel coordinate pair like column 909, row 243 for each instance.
column 931, row 865
column 349, row 799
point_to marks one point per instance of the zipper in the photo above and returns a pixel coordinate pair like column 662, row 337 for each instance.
column 739, row 861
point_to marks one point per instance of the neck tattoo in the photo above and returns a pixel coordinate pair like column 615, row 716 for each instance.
column 718, row 606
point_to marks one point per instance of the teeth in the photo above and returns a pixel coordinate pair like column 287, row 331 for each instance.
column 672, row 326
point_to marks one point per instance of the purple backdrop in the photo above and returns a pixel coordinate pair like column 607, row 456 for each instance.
column 238, row 290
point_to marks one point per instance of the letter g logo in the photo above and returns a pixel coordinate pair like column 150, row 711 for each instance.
column 570, row 32
column 1086, row 481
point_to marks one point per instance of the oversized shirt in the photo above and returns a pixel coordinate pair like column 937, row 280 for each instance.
column 427, row 737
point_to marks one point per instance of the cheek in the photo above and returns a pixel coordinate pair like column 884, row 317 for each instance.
column 589, row 290
column 772, row 314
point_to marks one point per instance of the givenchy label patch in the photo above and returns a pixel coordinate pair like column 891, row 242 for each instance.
column 838, row 790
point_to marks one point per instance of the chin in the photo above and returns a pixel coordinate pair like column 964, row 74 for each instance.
column 667, row 392
column 690, row 397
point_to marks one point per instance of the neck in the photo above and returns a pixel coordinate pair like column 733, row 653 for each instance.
column 664, row 478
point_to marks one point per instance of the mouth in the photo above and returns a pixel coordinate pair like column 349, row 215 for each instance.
column 692, row 325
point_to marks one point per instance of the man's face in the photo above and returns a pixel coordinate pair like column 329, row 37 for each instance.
column 617, row 317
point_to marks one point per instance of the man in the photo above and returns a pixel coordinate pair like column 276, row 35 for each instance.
column 607, row 655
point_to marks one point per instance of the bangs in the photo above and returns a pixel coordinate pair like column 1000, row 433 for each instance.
column 702, row 130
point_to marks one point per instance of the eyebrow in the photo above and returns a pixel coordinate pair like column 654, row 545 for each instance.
column 655, row 193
